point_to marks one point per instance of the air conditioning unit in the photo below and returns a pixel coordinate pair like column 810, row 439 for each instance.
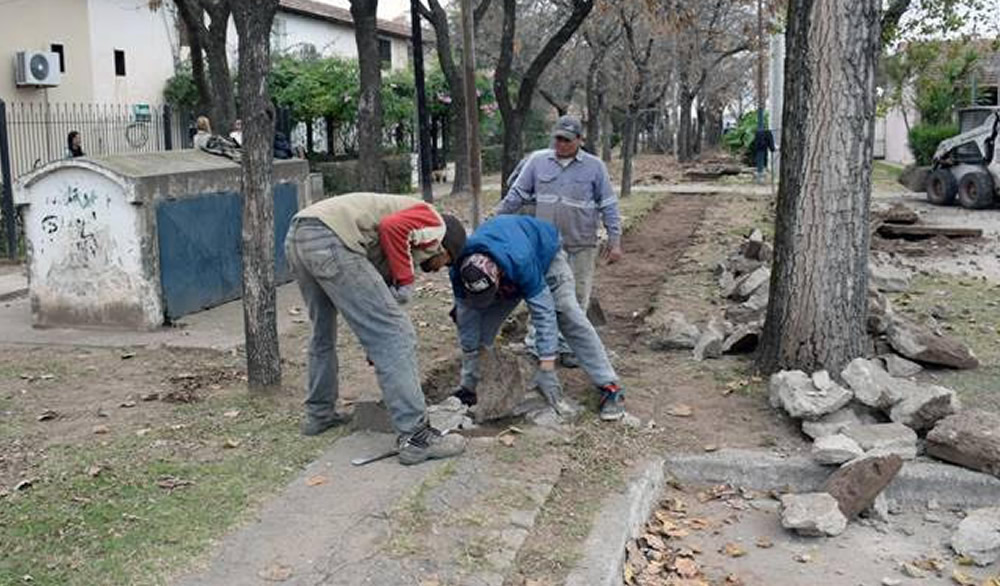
column 36, row 68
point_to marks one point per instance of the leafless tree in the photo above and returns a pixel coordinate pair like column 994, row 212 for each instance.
column 208, row 42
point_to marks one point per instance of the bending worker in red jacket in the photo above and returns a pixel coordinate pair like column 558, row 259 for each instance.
column 355, row 254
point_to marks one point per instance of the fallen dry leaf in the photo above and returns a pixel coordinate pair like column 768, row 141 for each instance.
column 680, row 410
column 965, row 561
column 127, row 404
column 686, row 568
column 142, row 432
column 231, row 443
column 764, row 543
column 150, row 397
column 803, row 558
column 732, row 550
column 275, row 573
column 316, row 480
column 962, row 579
column 654, row 542
column 102, row 429
column 678, row 533
column 232, row 413
column 94, row 471
column 698, row 523
column 674, row 504
column 48, row 415
column 127, row 355
column 294, row 311
column 24, row 484
column 710, row 448
column 507, row 440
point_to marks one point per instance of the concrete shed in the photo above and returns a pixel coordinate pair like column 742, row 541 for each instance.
column 138, row 240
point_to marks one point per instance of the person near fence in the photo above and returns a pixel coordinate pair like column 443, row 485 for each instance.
column 354, row 254
column 74, row 145
column 570, row 188
column 510, row 258
column 204, row 128
column 236, row 134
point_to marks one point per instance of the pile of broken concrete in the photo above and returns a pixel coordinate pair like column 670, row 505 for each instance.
column 744, row 280
column 868, row 427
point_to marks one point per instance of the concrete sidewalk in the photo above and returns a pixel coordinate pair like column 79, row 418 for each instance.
column 13, row 282
column 219, row 328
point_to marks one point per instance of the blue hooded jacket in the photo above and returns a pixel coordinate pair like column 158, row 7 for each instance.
column 523, row 248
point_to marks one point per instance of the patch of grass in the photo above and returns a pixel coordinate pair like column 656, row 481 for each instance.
column 637, row 206
column 883, row 172
column 99, row 514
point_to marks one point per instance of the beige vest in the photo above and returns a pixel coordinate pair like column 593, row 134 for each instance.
column 354, row 218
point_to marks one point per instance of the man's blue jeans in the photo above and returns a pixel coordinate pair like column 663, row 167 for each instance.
column 332, row 279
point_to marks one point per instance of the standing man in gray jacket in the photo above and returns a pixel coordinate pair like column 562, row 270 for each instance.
column 570, row 188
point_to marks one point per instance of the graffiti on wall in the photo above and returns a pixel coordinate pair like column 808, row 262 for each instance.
column 72, row 219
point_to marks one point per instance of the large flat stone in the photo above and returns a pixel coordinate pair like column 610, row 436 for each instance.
column 921, row 344
column 744, row 339
column 871, row 384
column 805, row 397
column 812, row 515
column 835, row 449
column 501, row 385
column 885, row 438
column 709, row 344
column 675, row 332
column 923, row 405
column 970, row 438
column 839, row 420
column 856, row 484
column 900, row 367
column 978, row 536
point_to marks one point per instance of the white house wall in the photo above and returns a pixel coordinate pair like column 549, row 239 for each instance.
column 146, row 38
column 36, row 25
column 897, row 142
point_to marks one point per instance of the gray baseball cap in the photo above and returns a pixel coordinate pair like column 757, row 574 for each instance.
column 567, row 127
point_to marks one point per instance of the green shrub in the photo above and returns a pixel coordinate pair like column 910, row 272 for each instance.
column 344, row 177
column 924, row 140
column 739, row 140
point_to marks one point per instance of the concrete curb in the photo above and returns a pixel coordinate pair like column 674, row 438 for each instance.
column 917, row 483
column 619, row 519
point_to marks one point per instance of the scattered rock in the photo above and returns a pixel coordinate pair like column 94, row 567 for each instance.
column 887, row 581
column 978, row 536
column 753, row 246
column 969, row 438
column 812, row 514
column 449, row 414
column 888, row 279
column 899, row 367
column 911, row 571
column 923, row 405
column 923, row 345
column 709, row 344
column 835, row 449
column 501, row 385
column 680, row 410
column 885, row 438
column 838, row 421
column 750, row 284
column 677, row 333
column 743, row 339
column 856, row 484
column 802, row 398
column 871, row 384
column 880, row 312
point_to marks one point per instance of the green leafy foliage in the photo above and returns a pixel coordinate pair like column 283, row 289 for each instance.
column 317, row 87
column 924, row 140
column 739, row 140
column 181, row 91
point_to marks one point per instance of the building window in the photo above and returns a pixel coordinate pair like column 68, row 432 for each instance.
column 119, row 63
column 385, row 53
column 58, row 50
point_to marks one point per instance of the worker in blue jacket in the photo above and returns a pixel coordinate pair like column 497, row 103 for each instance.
column 510, row 258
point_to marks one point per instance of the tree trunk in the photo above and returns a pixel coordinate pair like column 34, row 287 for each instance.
column 216, row 52
column 512, row 147
column 685, row 132
column 309, row 136
column 191, row 14
column 628, row 151
column 713, row 126
column 253, row 23
column 370, row 100
column 818, row 303
column 606, row 146
column 330, row 130
column 700, row 130
column 438, row 18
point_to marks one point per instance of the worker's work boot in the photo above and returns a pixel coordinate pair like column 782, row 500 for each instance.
column 612, row 405
column 317, row 425
column 428, row 443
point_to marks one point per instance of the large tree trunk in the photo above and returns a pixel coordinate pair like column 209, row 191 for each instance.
column 713, row 126
column 595, row 103
column 685, row 130
column 216, row 52
column 607, row 148
column 370, row 100
column 191, row 13
column 513, row 112
column 818, row 304
column 438, row 18
column 253, row 22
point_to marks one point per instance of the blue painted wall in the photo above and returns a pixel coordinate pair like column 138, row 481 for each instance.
column 201, row 264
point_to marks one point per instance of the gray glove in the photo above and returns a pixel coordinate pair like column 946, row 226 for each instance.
column 548, row 385
column 402, row 293
column 470, row 370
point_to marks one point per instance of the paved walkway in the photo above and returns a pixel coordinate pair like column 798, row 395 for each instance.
column 219, row 328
